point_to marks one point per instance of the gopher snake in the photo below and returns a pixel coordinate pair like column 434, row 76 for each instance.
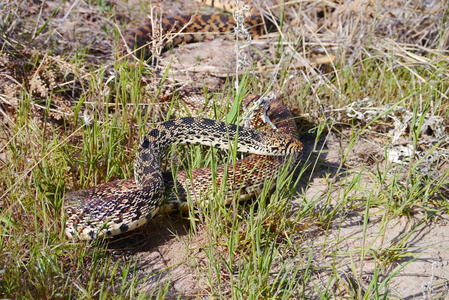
column 124, row 205
column 116, row 208
column 194, row 28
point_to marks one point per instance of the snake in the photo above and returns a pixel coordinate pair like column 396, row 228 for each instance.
column 191, row 28
column 123, row 205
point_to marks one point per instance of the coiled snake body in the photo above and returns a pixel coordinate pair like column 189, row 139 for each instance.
column 124, row 205
column 117, row 208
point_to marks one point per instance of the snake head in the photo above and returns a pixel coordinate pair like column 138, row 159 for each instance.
column 286, row 144
column 293, row 145
column 277, row 144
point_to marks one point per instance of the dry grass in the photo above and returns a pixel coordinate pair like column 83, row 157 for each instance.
column 364, row 216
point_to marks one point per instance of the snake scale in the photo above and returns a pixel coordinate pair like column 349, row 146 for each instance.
column 123, row 205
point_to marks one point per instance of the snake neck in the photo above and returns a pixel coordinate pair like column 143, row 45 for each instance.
column 207, row 132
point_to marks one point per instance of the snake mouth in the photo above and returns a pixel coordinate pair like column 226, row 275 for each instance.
column 294, row 147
